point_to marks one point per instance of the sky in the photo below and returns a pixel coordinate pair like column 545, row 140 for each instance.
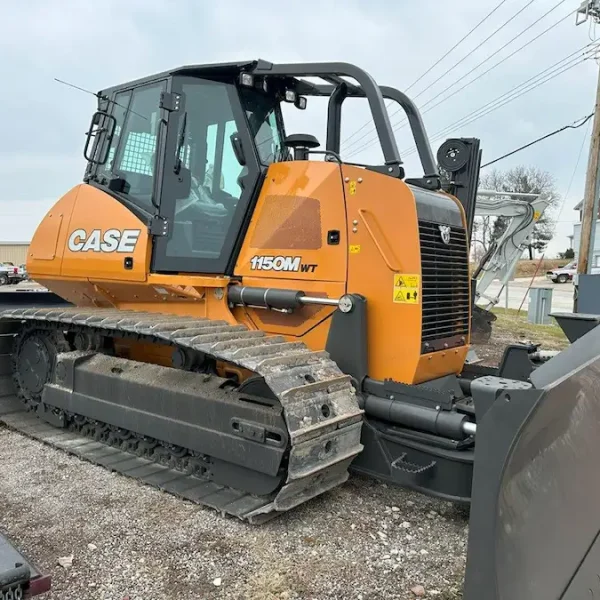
column 96, row 46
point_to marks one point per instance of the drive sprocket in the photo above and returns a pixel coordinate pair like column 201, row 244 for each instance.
column 34, row 358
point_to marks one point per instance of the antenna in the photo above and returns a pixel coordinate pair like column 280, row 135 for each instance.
column 99, row 96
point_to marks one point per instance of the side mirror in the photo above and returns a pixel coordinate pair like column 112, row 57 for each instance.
column 238, row 149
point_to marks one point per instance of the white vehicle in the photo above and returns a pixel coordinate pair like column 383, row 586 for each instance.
column 562, row 274
column 10, row 274
column 568, row 273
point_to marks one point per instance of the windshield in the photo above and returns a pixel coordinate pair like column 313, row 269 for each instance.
column 266, row 125
column 571, row 265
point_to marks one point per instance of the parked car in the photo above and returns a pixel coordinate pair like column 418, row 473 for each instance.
column 568, row 273
column 23, row 273
column 10, row 274
column 562, row 274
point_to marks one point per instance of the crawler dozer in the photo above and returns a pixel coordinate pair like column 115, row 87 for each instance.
column 241, row 318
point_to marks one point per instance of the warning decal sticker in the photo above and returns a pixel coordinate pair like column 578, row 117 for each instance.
column 406, row 280
column 406, row 289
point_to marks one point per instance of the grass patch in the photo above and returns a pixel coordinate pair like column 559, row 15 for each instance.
column 510, row 321
column 527, row 268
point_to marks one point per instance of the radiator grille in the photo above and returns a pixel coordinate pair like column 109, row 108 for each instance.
column 445, row 285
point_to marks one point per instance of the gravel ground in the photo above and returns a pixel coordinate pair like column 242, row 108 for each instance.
column 505, row 333
column 364, row 540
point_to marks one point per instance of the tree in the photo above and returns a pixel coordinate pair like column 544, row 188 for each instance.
column 526, row 180
column 568, row 253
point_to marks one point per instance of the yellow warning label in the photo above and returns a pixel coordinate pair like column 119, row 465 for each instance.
column 536, row 215
column 406, row 295
column 352, row 188
column 355, row 249
column 411, row 281
column 406, row 289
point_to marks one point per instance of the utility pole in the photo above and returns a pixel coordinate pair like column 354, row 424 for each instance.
column 590, row 198
column 590, row 9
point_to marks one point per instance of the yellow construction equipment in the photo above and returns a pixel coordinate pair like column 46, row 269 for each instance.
column 240, row 319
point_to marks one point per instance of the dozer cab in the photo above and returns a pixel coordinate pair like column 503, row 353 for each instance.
column 246, row 318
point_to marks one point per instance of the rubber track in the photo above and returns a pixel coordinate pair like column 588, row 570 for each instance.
column 318, row 400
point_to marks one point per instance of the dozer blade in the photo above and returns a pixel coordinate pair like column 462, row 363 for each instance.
column 535, row 513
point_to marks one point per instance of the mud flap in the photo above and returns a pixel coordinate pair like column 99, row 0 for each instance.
column 535, row 513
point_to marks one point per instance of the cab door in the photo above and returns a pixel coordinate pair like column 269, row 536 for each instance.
column 204, row 220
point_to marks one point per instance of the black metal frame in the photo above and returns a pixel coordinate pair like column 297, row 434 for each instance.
column 335, row 86
column 464, row 180
column 337, row 95
column 333, row 74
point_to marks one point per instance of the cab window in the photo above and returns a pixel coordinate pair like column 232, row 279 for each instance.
column 202, row 221
column 132, row 151
column 266, row 125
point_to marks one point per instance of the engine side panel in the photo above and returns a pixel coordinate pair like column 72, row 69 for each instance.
column 46, row 248
column 103, row 234
column 87, row 236
column 384, row 265
column 301, row 204
column 297, row 240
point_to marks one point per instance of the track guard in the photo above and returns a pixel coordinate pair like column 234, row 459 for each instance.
column 535, row 515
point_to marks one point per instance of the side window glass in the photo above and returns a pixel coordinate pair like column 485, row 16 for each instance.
column 132, row 152
column 211, row 153
column 202, row 221
column 231, row 168
column 262, row 112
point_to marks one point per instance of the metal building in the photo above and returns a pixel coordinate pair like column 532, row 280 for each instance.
column 13, row 252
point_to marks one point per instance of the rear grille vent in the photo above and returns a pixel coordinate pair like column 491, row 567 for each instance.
column 445, row 287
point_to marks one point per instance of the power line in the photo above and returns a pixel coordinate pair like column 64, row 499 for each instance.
column 482, row 43
column 548, row 71
column 462, row 40
column 584, row 120
column 500, row 50
column 519, row 90
column 402, row 123
column 564, row 201
column 439, row 60
column 551, row 76
column 448, row 70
